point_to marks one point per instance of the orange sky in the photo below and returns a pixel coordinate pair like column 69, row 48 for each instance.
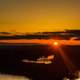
column 39, row 15
column 42, row 41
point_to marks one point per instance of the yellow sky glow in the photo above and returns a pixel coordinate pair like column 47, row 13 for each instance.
column 39, row 15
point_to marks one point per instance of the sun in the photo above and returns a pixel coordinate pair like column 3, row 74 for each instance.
column 56, row 43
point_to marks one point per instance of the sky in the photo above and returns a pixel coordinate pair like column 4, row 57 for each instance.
column 39, row 15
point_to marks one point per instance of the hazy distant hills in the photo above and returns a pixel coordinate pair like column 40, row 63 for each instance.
column 40, row 35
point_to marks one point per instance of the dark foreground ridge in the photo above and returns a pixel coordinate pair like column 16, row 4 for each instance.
column 11, row 61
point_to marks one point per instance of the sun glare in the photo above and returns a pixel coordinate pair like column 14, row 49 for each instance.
column 55, row 43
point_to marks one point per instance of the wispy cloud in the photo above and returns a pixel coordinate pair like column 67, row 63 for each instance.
column 41, row 60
